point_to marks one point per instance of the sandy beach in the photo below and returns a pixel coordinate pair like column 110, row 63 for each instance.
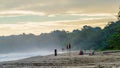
column 63, row 60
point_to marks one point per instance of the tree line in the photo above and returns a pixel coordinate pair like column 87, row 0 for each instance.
column 86, row 38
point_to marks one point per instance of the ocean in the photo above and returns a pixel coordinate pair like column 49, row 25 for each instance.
column 18, row 56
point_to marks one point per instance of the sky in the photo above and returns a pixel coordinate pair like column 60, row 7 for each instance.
column 44, row 16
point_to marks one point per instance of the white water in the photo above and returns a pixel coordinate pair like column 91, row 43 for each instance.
column 17, row 56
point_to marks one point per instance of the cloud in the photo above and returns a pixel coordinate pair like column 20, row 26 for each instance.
column 29, row 16
column 21, row 12
column 61, row 6
column 38, row 16
column 95, row 14
column 46, row 27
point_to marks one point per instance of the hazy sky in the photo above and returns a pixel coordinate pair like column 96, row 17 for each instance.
column 40, row 16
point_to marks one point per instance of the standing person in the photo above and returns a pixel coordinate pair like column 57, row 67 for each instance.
column 93, row 53
column 69, row 48
column 85, row 51
column 63, row 49
column 55, row 52
column 82, row 52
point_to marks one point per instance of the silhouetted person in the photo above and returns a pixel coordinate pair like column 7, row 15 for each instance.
column 55, row 52
column 68, row 46
column 93, row 53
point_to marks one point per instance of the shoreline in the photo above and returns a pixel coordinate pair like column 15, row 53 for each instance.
column 80, row 61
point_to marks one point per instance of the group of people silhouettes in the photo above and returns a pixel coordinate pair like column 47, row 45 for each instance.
column 83, row 52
